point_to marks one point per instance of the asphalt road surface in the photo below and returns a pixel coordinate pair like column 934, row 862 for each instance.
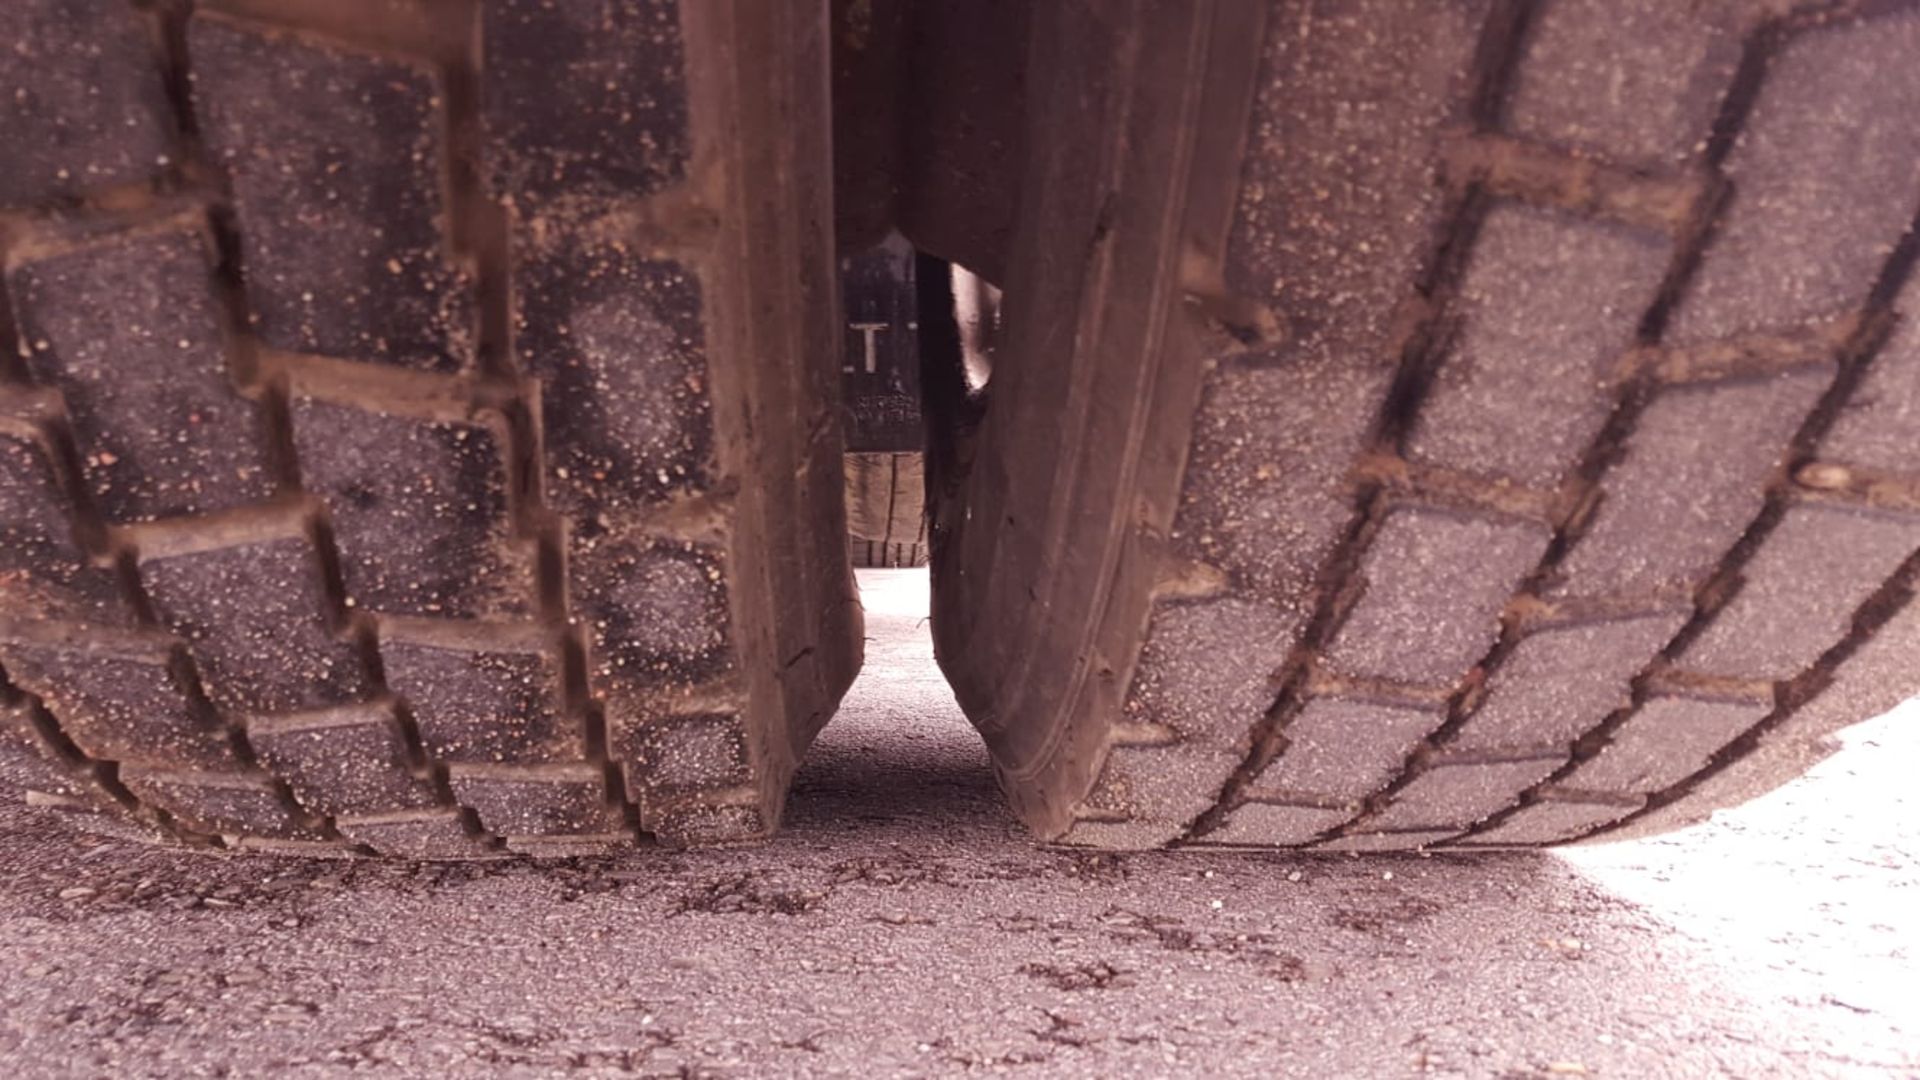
column 901, row 926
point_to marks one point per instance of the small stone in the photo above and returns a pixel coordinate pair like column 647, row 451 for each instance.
column 77, row 892
column 1824, row 477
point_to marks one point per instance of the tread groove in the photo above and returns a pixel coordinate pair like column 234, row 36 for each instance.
column 1845, row 345
column 480, row 595
column 1856, row 355
column 1495, row 58
column 100, row 774
column 1863, row 335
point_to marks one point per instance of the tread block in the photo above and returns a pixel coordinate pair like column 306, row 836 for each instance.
column 1879, row 426
column 657, row 611
column 127, row 328
column 487, row 693
column 1159, row 788
column 1874, row 678
column 1551, row 821
column 705, row 825
column 349, row 760
column 1261, row 501
column 1691, row 481
column 1434, row 584
column 1548, row 305
column 569, row 847
column 1265, row 498
column 537, row 800
column 1369, row 185
column 1664, row 742
column 699, row 751
column 1796, row 599
column 1454, row 796
column 423, row 834
column 81, row 101
column 118, row 697
column 255, row 617
column 1275, row 824
column 618, row 343
column 339, row 202
column 1407, row 840
column 224, row 803
column 43, row 572
column 419, row 511
column 1561, row 681
column 1805, row 237
column 1636, row 81
column 1206, row 668
column 30, row 764
column 584, row 98
column 47, row 776
column 296, row 849
column 110, row 820
column 1344, row 750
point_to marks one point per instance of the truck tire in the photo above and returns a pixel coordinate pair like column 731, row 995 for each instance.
column 419, row 428
column 880, row 391
column 1460, row 424
column 886, row 519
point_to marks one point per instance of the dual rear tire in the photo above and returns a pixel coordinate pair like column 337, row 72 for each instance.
column 1488, row 424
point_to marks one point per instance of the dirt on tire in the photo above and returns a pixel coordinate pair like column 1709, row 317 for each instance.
column 1482, row 424
column 419, row 431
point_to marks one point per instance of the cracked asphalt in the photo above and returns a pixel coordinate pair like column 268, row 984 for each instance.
column 901, row 926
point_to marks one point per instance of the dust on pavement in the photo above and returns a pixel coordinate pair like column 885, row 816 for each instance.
column 901, row 926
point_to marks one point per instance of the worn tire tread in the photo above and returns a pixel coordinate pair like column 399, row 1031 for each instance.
column 341, row 515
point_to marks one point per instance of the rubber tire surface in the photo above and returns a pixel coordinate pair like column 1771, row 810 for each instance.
column 417, row 434
column 1469, row 423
